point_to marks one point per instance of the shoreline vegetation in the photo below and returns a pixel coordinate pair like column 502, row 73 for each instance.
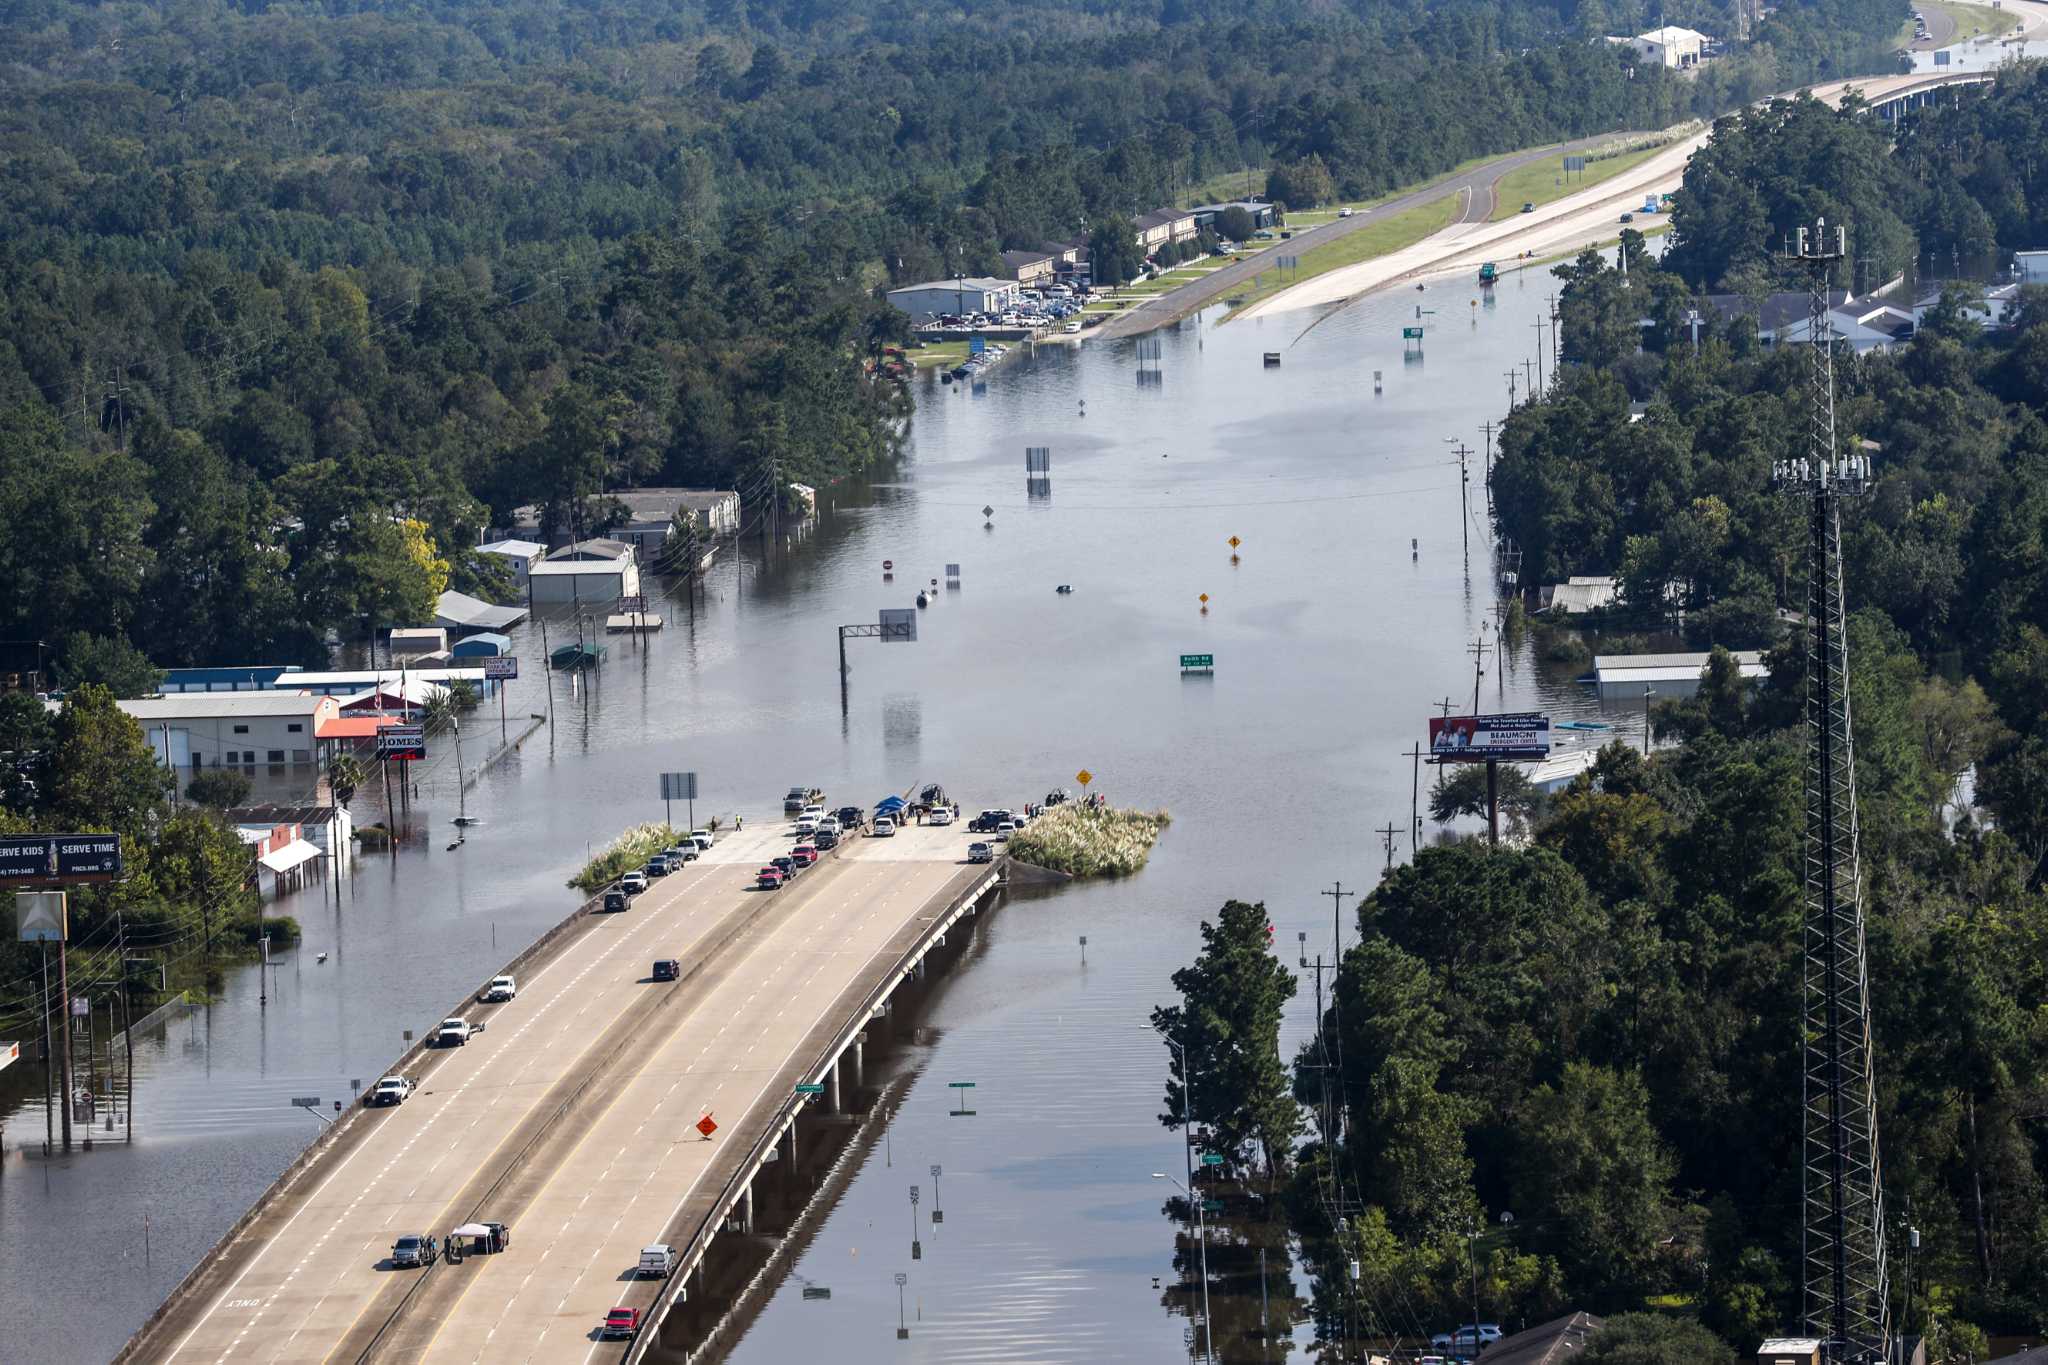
column 631, row 849
column 1084, row 842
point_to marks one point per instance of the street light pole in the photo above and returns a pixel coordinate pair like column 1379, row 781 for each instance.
column 1202, row 1225
column 1648, row 692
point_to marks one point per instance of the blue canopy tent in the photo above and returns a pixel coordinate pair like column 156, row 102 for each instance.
column 888, row 804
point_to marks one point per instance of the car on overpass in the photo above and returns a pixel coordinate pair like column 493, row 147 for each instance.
column 667, row 969
column 414, row 1251
column 768, row 878
column 501, row 989
column 620, row 1322
column 455, row 1032
column 390, row 1090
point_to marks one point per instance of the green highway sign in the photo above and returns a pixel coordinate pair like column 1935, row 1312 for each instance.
column 1411, row 334
column 960, row 1085
column 1198, row 661
column 810, row 1090
column 1212, row 1158
column 1212, row 1206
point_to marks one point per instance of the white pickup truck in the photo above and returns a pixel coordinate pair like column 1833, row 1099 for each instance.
column 455, row 1032
column 501, row 989
column 390, row 1090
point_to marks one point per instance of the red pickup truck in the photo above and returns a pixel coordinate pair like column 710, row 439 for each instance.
column 621, row 1322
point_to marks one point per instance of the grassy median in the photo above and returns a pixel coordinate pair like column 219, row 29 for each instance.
column 1540, row 182
column 1373, row 240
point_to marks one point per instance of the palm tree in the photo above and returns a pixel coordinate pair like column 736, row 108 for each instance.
column 344, row 775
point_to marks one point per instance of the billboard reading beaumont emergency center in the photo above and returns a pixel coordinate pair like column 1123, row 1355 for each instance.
column 1525, row 735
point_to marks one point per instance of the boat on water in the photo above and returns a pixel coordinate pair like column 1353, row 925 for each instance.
column 576, row 655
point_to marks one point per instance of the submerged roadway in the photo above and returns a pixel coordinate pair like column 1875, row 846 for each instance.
column 572, row 1119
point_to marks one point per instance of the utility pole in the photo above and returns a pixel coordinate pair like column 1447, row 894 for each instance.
column 1338, row 895
column 1415, row 802
column 1511, row 390
column 1528, row 370
column 64, row 1054
column 1463, row 452
column 1387, row 833
column 1477, row 649
column 1539, row 357
column 1487, row 427
column 1846, row 1299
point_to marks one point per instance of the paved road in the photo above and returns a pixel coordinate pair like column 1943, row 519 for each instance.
column 1476, row 184
column 568, row 1119
column 1941, row 29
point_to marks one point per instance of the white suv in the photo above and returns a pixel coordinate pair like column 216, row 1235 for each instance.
column 501, row 989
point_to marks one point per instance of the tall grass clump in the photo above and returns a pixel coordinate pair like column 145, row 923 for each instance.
column 623, row 855
column 1089, row 843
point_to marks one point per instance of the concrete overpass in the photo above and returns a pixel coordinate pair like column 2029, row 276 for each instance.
column 572, row 1117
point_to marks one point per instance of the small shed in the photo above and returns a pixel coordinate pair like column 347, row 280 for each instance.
column 483, row 645
column 1789, row 1351
column 588, row 571
column 410, row 641
column 1622, row 677
column 458, row 613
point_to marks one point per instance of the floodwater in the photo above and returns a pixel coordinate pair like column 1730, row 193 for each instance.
column 1351, row 609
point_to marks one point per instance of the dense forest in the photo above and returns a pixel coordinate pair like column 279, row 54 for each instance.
column 1566, row 1074
column 294, row 303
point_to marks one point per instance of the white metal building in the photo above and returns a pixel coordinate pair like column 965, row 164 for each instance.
column 1622, row 677
column 2031, row 266
column 954, row 296
column 594, row 571
column 1670, row 46
column 522, row 555
column 241, row 729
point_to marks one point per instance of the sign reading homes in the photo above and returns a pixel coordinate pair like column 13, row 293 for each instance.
column 46, row 859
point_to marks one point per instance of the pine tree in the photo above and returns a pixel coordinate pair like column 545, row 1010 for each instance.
column 1229, row 1029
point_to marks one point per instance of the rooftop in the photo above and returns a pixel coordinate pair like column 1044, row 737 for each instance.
column 983, row 283
column 460, row 611
column 202, row 705
column 519, row 549
column 661, row 504
column 576, row 551
column 1613, row 668
column 271, row 815
column 1558, row 1340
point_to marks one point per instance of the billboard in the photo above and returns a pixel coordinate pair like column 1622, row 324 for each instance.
column 39, row 859
column 503, row 666
column 402, row 741
column 1523, row 735
column 679, row 786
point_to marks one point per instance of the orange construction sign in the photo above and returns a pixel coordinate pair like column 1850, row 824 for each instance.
column 706, row 1127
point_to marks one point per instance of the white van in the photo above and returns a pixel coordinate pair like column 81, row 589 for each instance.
column 658, row 1260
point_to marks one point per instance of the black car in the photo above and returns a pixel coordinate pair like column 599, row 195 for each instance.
column 614, row 900
column 667, row 969
column 790, row 867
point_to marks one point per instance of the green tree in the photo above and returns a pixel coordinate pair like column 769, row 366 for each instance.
column 1460, row 789
column 344, row 778
column 102, row 774
column 1655, row 1339
column 1235, row 224
column 1229, row 1031
column 1113, row 252
column 1303, row 184
column 1597, row 1177
column 111, row 662
column 218, row 788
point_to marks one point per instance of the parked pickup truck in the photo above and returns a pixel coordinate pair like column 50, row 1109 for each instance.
column 501, row 989
column 455, row 1032
column 390, row 1090
column 799, row 797
column 658, row 1260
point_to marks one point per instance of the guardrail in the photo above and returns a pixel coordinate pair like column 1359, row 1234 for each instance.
column 327, row 1140
column 700, row 1241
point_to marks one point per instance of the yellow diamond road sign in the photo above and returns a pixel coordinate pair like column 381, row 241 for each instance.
column 1235, row 542
column 1084, row 777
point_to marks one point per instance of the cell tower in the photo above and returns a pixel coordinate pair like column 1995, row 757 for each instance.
column 1846, row 1303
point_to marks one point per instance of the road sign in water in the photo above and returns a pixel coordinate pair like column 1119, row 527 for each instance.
column 1212, row 1158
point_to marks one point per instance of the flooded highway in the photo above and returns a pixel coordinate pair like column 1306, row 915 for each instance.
column 1350, row 610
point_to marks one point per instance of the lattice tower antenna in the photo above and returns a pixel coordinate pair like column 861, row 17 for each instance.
column 1846, row 1303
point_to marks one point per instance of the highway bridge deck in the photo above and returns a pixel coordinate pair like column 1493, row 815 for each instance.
column 572, row 1117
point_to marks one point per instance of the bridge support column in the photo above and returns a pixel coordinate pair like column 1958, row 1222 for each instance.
column 747, row 1208
column 832, row 1089
column 859, row 1067
column 789, row 1137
